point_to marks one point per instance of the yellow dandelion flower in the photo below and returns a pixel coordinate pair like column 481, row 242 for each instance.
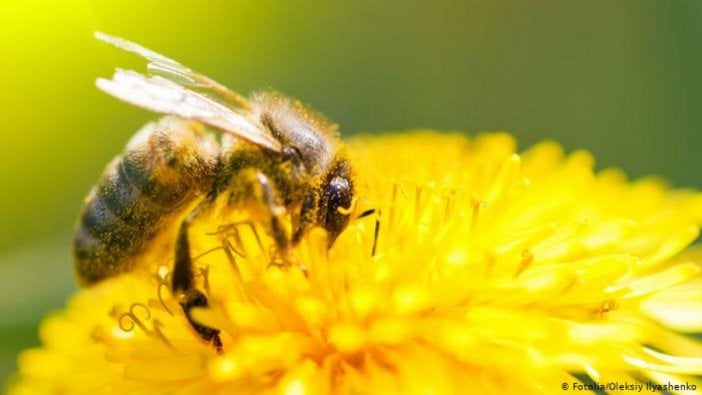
column 479, row 270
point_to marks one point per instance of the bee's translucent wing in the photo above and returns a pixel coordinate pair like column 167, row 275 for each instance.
column 173, row 70
column 137, row 49
column 164, row 96
column 166, row 91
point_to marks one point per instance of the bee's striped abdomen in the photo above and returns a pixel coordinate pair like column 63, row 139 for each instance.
column 164, row 168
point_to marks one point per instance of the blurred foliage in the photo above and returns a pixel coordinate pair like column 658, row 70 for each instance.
column 621, row 79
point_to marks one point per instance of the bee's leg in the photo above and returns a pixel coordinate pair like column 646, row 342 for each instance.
column 269, row 198
column 183, row 283
column 251, row 188
column 307, row 212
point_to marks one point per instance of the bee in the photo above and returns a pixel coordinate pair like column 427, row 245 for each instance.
column 271, row 154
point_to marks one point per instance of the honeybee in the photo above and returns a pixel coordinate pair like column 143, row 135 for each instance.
column 271, row 154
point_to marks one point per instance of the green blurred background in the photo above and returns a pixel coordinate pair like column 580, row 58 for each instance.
column 619, row 78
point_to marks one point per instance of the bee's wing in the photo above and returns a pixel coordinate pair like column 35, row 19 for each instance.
column 166, row 92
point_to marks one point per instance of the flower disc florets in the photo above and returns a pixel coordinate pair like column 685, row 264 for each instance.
column 474, row 270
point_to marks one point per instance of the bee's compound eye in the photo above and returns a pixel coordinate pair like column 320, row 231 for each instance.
column 338, row 194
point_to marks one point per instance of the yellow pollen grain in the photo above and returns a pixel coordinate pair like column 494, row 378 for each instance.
column 363, row 300
column 295, row 387
column 224, row 368
column 410, row 300
column 347, row 338
column 312, row 310
column 456, row 257
column 390, row 331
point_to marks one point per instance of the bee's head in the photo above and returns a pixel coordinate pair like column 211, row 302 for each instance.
column 336, row 195
column 310, row 149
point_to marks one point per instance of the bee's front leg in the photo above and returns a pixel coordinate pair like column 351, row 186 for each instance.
column 254, row 191
column 183, row 283
column 276, row 212
column 308, row 210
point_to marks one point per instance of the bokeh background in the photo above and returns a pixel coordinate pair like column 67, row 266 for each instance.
column 622, row 79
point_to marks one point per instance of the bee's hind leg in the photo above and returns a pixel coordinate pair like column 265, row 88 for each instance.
column 183, row 284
